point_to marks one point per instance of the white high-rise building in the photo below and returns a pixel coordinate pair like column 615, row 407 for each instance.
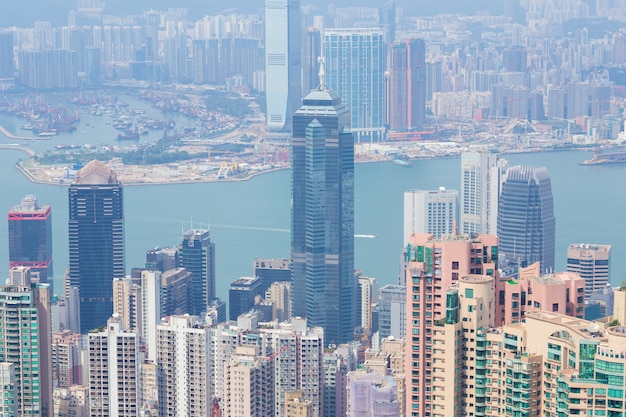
column 355, row 63
column 592, row 263
column 482, row 175
column 430, row 211
column 184, row 367
column 114, row 377
column 282, row 61
column 150, row 310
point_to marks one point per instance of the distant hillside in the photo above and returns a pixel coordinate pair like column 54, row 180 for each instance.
column 24, row 12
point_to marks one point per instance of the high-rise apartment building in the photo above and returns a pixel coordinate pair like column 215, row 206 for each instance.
column 114, row 377
column 30, row 237
column 127, row 303
column 430, row 211
column 482, row 175
column 8, row 389
column 355, row 63
column 406, row 100
column 96, row 241
column 279, row 294
column 294, row 351
column 526, row 223
column 184, row 371
column 283, row 30
column 371, row 394
column 322, row 215
column 7, row 61
column 592, row 263
column 296, row 405
column 197, row 255
column 434, row 265
column 176, row 292
column 26, row 328
column 249, row 388
column 66, row 359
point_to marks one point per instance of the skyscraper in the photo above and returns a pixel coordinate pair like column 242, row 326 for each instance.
column 322, row 216
column 482, row 175
column 355, row 67
column 430, row 211
column 592, row 263
column 96, row 241
column 282, row 61
column 406, row 99
column 312, row 51
column 30, row 237
column 526, row 224
column 197, row 255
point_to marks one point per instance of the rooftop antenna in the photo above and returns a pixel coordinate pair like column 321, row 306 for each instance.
column 322, row 73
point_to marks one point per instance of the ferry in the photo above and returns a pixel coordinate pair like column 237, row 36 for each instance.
column 47, row 134
column 402, row 162
column 607, row 156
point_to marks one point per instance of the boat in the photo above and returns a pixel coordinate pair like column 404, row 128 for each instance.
column 47, row 133
column 402, row 162
column 128, row 136
column 366, row 236
column 607, row 156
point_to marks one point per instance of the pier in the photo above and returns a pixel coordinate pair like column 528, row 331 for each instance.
column 10, row 135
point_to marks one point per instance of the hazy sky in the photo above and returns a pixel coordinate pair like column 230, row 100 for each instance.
column 23, row 13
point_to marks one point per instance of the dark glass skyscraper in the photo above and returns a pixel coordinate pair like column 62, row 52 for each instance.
column 197, row 255
column 526, row 223
column 30, row 237
column 96, row 241
column 322, row 217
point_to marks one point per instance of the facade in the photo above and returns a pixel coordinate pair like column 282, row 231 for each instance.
column 434, row 265
column 8, row 389
column 67, row 367
column 355, row 63
column 293, row 350
column 389, row 362
column 526, row 223
column 127, row 303
column 271, row 271
column 406, row 99
column 114, row 371
column 368, row 296
column 176, row 292
column 96, row 241
column 249, row 390
column 296, row 405
column 242, row 294
column 592, row 263
column 282, row 61
column 197, row 255
column 184, row 382
column 30, row 237
column 322, row 215
column 312, row 51
column 430, row 211
column 371, row 395
column 392, row 311
column 150, row 311
column 26, row 328
column 279, row 294
column 482, row 175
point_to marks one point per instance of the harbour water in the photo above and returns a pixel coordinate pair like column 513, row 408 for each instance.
column 251, row 219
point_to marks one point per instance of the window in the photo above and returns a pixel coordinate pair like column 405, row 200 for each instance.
column 455, row 265
column 555, row 307
column 469, row 293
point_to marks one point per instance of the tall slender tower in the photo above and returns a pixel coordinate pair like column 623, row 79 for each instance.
column 526, row 224
column 96, row 241
column 322, row 216
column 25, row 325
column 282, row 61
column 197, row 255
column 407, row 84
column 30, row 237
column 482, row 175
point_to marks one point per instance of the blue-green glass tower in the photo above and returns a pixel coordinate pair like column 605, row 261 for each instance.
column 322, row 220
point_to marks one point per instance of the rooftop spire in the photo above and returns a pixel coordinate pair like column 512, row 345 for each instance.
column 322, row 74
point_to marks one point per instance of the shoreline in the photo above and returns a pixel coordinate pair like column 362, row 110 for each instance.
column 210, row 180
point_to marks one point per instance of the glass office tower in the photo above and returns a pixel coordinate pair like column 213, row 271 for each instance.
column 526, row 223
column 96, row 241
column 322, row 220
